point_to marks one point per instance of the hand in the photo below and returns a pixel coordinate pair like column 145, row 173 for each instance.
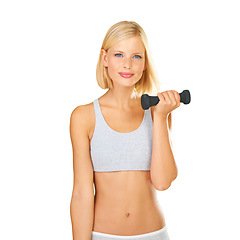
column 169, row 100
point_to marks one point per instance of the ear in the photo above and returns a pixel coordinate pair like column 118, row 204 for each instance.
column 104, row 58
column 145, row 66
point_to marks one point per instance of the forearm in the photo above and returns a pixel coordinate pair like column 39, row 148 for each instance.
column 82, row 215
column 163, row 167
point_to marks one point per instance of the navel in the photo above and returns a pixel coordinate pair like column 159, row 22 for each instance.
column 128, row 214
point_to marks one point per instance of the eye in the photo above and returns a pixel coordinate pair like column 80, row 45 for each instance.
column 117, row 54
column 138, row 56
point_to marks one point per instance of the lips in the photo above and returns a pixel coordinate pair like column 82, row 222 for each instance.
column 126, row 75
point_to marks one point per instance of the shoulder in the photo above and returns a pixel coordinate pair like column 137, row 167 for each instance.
column 82, row 110
column 82, row 115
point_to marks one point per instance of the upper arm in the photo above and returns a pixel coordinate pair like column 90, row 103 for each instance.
column 82, row 164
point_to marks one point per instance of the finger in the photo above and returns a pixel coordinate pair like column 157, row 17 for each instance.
column 177, row 96
column 167, row 97
column 161, row 97
column 172, row 97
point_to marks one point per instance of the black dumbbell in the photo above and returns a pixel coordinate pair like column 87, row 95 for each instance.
column 149, row 101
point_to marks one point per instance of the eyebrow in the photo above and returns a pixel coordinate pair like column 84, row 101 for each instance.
column 123, row 52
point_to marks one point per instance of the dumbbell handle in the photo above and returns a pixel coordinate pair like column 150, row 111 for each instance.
column 149, row 101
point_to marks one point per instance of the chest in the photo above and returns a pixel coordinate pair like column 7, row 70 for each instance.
column 119, row 122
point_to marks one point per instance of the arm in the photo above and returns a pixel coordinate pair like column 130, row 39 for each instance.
column 82, row 201
column 163, row 167
column 82, row 214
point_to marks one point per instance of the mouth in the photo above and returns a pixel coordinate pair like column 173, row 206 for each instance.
column 126, row 75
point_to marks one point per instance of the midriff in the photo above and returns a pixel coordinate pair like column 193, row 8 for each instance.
column 126, row 203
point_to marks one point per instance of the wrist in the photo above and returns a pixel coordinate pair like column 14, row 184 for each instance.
column 160, row 116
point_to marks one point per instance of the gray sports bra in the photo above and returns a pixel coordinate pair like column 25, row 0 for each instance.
column 115, row 151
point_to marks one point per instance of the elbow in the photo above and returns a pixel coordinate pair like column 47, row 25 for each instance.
column 165, row 186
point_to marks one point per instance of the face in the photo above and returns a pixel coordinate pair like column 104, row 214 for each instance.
column 126, row 56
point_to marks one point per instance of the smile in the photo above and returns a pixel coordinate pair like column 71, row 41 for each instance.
column 126, row 75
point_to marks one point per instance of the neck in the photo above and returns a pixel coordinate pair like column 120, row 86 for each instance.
column 122, row 98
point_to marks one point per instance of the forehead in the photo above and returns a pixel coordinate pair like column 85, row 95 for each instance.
column 133, row 44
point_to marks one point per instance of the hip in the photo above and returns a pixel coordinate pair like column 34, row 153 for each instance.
column 161, row 234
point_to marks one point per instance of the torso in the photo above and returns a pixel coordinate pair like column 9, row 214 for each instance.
column 125, row 201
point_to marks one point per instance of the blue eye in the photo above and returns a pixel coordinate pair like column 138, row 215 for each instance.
column 118, row 54
column 138, row 56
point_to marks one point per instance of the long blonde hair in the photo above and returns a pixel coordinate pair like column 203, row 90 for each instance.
column 122, row 30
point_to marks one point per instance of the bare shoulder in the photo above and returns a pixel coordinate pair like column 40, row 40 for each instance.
column 82, row 109
column 84, row 115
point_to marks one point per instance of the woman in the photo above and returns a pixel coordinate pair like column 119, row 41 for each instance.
column 122, row 149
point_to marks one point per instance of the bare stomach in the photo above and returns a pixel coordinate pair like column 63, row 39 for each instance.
column 126, row 204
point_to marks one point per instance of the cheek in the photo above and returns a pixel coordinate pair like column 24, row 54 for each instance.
column 140, row 66
column 113, row 68
column 113, row 65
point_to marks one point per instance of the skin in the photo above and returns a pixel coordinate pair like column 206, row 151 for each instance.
column 125, row 201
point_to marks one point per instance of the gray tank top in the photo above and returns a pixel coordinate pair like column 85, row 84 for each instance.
column 115, row 151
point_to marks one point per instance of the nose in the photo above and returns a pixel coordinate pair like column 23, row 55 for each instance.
column 127, row 63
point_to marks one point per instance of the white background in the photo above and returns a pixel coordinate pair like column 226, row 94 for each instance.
column 48, row 55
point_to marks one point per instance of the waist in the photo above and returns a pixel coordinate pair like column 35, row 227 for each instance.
column 126, row 203
column 127, row 217
column 129, row 209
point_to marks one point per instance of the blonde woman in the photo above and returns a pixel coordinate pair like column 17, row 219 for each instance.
column 121, row 149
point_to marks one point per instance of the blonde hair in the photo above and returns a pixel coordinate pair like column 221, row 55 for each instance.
column 122, row 30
